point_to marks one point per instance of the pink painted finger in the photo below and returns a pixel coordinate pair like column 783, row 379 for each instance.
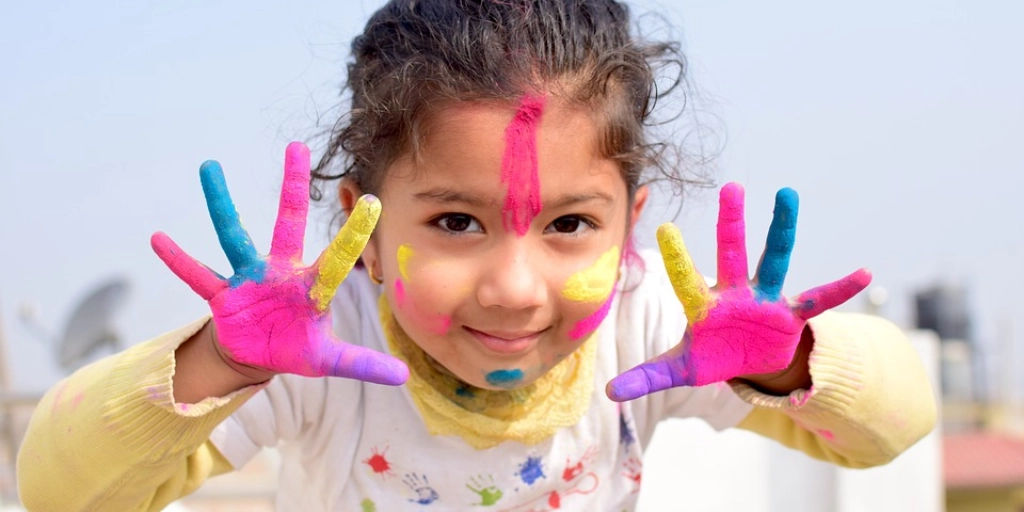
column 732, row 242
column 197, row 276
column 361, row 363
column 290, row 229
column 815, row 301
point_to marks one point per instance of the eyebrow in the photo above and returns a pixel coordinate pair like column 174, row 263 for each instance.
column 573, row 199
column 447, row 195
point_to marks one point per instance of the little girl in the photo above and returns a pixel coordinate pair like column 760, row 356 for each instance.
column 501, row 344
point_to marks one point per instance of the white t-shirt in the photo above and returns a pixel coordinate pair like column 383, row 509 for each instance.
column 347, row 445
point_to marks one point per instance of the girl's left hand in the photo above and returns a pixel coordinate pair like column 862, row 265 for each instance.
column 740, row 327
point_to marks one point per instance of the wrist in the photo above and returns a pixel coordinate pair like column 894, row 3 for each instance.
column 203, row 370
column 249, row 374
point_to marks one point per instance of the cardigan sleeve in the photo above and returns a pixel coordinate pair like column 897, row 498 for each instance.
column 111, row 437
column 869, row 401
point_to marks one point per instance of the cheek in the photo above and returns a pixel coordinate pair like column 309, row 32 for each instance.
column 595, row 283
column 589, row 317
column 589, row 294
column 426, row 292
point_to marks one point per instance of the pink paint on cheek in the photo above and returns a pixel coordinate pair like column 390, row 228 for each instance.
column 826, row 434
column 519, row 166
column 592, row 322
column 77, row 400
column 399, row 293
column 441, row 324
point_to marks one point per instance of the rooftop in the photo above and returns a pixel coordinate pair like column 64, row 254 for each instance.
column 979, row 460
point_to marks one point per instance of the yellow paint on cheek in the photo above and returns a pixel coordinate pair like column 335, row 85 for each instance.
column 404, row 253
column 594, row 283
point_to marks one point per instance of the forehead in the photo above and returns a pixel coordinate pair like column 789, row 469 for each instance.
column 465, row 144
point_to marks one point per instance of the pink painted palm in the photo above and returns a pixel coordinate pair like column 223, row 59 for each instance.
column 740, row 327
column 273, row 314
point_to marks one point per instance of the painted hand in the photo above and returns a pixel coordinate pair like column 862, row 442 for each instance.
column 739, row 327
column 273, row 314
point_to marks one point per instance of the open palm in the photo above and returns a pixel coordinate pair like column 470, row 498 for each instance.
column 739, row 327
column 273, row 314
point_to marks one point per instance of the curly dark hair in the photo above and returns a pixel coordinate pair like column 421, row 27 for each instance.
column 414, row 56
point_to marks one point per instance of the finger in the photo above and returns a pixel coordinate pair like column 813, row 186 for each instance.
column 689, row 285
column 668, row 370
column 234, row 240
column 290, row 228
column 197, row 276
column 361, row 363
column 815, row 301
column 337, row 260
column 732, row 248
column 771, row 274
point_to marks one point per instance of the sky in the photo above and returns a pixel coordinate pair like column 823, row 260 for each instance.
column 899, row 123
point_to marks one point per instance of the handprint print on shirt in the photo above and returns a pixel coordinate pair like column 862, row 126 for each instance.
column 273, row 314
column 484, row 487
column 739, row 327
column 425, row 494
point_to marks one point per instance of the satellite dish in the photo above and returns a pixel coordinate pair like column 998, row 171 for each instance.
column 90, row 326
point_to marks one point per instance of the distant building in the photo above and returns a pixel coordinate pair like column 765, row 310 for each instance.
column 943, row 309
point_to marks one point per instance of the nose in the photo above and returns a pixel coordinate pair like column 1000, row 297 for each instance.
column 512, row 280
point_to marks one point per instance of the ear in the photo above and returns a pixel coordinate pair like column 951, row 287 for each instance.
column 639, row 201
column 348, row 193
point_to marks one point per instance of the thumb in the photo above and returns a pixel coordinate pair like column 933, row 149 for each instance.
column 665, row 371
column 340, row 359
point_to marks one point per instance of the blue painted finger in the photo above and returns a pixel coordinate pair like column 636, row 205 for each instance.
column 234, row 240
column 771, row 274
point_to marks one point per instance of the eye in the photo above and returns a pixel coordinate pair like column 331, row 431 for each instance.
column 570, row 225
column 457, row 223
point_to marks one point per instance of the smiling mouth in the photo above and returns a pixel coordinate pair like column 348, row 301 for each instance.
column 503, row 342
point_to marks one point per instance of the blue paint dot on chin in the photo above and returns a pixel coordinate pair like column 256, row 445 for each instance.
column 505, row 378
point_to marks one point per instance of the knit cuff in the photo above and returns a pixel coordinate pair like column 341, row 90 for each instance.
column 141, row 406
column 837, row 373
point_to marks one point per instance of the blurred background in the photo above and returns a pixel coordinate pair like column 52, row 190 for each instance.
column 898, row 123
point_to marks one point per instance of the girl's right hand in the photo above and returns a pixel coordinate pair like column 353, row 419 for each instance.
column 273, row 315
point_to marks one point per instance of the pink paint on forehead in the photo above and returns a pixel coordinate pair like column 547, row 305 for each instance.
column 519, row 166
column 592, row 322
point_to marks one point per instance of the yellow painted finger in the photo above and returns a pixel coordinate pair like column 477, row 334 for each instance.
column 339, row 257
column 688, row 283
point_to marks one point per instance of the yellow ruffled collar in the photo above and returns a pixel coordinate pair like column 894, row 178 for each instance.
column 486, row 418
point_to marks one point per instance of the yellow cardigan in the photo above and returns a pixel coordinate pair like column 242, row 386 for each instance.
column 111, row 437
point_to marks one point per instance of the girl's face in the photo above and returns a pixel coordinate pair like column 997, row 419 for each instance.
column 499, row 243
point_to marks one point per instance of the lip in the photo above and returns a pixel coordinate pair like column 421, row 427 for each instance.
column 506, row 342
